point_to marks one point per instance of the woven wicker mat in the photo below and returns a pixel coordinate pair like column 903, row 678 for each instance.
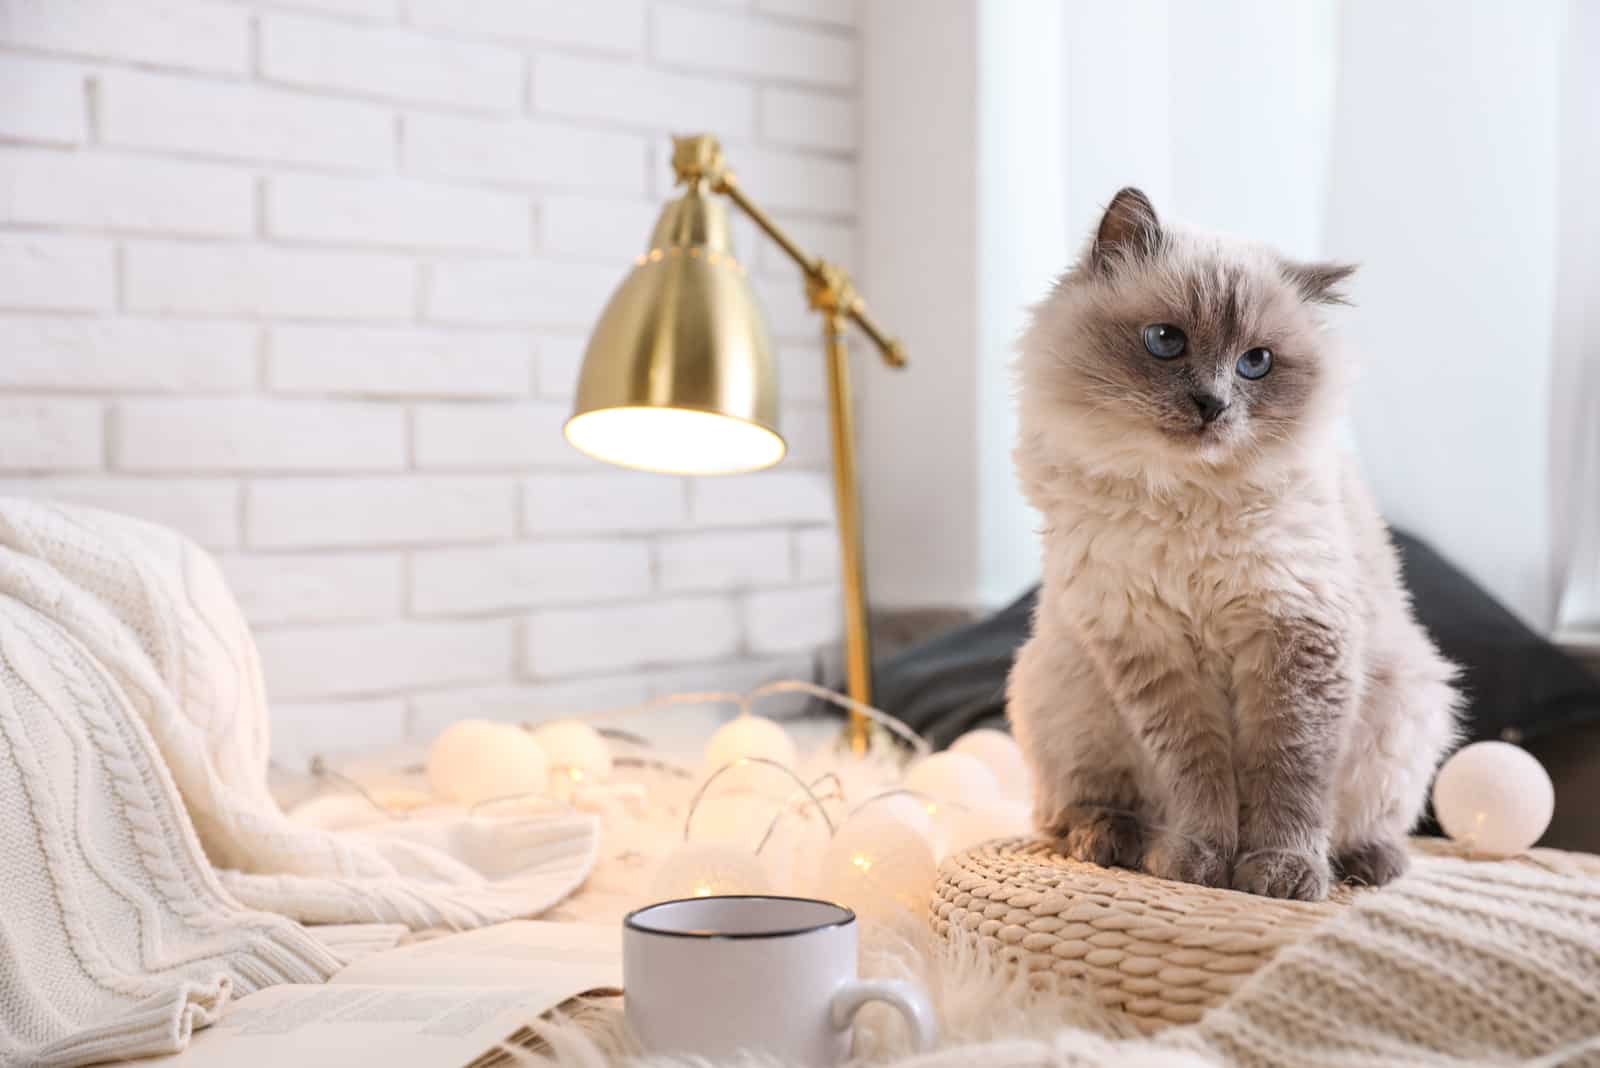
column 1163, row 952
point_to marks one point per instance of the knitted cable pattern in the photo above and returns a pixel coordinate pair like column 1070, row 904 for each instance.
column 114, row 937
column 149, row 873
column 1459, row 963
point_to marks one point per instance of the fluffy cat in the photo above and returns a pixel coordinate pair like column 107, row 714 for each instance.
column 1225, row 683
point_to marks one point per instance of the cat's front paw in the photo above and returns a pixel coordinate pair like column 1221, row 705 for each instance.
column 1373, row 863
column 1286, row 873
column 1188, row 859
column 1109, row 839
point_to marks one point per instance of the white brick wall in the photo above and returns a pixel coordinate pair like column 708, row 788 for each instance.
column 310, row 280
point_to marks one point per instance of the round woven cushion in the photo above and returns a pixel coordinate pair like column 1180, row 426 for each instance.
column 1161, row 951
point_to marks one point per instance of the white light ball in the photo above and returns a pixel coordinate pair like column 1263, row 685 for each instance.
column 732, row 819
column 575, row 750
column 477, row 760
column 877, row 866
column 1001, row 754
column 912, row 811
column 794, row 852
column 962, row 830
column 751, row 737
column 1494, row 798
column 705, row 869
column 957, row 777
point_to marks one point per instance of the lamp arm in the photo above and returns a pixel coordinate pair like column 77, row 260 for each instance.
column 729, row 186
column 827, row 284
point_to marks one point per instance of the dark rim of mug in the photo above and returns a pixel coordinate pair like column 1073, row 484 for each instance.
column 632, row 922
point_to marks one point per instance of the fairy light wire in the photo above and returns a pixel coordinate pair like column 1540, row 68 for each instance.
column 320, row 770
column 916, row 795
column 745, row 703
column 700, row 791
column 787, row 807
column 894, row 725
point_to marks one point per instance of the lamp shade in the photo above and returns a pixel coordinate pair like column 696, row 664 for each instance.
column 679, row 376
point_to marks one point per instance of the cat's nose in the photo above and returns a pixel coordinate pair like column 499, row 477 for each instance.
column 1210, row 406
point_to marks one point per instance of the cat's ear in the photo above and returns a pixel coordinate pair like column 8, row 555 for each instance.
column 1319, row 283
column 1128, row 228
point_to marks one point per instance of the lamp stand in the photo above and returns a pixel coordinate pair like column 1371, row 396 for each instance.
column 857, row 637
column 698, row 159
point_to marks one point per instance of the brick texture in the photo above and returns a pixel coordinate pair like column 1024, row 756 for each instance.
column 311, row 281
column 44, row 101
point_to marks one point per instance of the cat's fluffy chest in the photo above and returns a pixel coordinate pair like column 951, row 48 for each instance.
column 1210, row 564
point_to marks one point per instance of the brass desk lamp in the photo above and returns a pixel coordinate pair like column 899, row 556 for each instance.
column 679, row 376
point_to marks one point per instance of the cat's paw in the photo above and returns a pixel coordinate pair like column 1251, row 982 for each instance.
column 1109, row 839
column 1285, row 873
column 1372, row 863
column 1188, row 859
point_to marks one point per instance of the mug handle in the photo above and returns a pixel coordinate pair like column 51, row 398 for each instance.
column 907, row 998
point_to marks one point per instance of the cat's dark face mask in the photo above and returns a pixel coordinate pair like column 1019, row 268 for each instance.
column 1205, row 347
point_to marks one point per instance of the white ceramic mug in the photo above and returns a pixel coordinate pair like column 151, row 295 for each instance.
column 714, row 976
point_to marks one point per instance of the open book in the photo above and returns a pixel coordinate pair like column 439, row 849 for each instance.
column 452, row 1002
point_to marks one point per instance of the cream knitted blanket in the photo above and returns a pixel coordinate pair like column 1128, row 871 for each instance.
column 1459, row 964
column 133, row 762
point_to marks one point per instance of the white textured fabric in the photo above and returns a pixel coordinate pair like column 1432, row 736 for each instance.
column 1458, row 964
column 116, row 938
column 132, row 695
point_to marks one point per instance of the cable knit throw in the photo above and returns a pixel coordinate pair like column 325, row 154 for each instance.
column 133, row 750
column 1459, row 963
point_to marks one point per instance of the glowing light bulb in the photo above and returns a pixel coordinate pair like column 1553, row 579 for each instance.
column 957, row 777
column 914, row 812
column 878, row 866
column 751, row 737
column 1494, row 798
column 703, row 869
column 478, row 760
column 1000, row 753
column 962, row 830
column 575, row 749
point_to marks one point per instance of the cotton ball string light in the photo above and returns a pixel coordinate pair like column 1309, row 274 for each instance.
column 966, row 827
column 749, row 737
column 733, row 819
column 794, row 852
column 957, row 777
column 477, row 760
column 574, row 750
column 1000, row 753
column 1494, row 798
column 704, row 869
column 878, row 866
column 905, row 807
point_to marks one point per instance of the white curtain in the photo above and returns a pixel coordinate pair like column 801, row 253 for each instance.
column 1448, row 146
column 1222, row 111
column 1575, row 424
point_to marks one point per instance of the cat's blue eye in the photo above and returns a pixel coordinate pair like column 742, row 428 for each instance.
column 1165, row 341
column 1254, row 364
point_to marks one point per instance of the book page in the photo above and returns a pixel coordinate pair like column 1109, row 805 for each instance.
column 556, row 961
column 443, row 1003
column 346, row 1026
